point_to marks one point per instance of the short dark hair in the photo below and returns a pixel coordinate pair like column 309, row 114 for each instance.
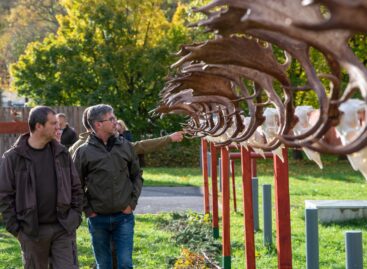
column 85, row 119
column 96, row 113
column 39, row 115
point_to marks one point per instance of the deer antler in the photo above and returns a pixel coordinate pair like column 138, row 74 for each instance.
column 344, row 14
column 210, row 84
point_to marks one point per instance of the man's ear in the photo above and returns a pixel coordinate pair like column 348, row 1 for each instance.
column 38, row 126
column 97, row 125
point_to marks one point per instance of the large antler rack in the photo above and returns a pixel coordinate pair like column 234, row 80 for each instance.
column 213, row 78
column 343, row 14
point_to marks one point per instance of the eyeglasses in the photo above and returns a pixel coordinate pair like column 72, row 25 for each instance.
column 112, row 119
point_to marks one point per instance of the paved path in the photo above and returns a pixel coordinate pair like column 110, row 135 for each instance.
column 170, row 199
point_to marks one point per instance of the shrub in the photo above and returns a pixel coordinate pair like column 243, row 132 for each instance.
column 184, row 154
column 192, row 231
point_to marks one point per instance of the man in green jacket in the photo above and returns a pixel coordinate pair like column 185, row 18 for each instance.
column 111, row 179
column 140, row 147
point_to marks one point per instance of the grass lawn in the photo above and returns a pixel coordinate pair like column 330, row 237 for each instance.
column 307, row 182
column 153, row 247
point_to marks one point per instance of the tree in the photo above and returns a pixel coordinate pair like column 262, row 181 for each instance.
column 105, row 51
column 24, row 21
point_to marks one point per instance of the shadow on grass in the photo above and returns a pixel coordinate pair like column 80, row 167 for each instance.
column 304, row 170
column 157, row 183
column 148, row 218
column 179, row 171
column 353, row 177
column 338, row 170
column 157, row 218
column 359, row 224
column 334, row 170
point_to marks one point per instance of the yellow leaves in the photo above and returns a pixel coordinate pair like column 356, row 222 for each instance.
column 180, row 14
column 115, row 46
column 189, row 260
column 146, row 18
column 207, row 218
column 150, row 23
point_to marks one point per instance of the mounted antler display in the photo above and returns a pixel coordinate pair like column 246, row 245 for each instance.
column 236, row 89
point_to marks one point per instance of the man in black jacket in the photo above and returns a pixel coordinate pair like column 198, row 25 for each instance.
column 40, row 195
column 68, row 136
column 111, row 179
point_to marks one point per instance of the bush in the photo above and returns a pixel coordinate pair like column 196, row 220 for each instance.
column 184, row 154
column 193, row 232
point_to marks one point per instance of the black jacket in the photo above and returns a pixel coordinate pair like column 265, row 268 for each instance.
column 68, row 137
column 18, row 201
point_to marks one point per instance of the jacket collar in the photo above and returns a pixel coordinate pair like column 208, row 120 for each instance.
column 21, row 146
column 84, row 135
column 95, row 140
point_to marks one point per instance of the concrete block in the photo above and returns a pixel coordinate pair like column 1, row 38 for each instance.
column 338, row 210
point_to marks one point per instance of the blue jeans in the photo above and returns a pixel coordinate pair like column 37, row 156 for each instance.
column 119, row 228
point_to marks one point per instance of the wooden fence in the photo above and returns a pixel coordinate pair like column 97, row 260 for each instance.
column 73, row 114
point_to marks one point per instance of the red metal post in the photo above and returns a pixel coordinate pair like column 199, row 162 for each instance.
column 247, row 208
column 204, row 163
column 233, row 186
column 214, row 164
column 282, row 207
column 226, row 248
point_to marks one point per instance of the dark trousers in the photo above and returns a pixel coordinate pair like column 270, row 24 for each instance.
column 53, row 245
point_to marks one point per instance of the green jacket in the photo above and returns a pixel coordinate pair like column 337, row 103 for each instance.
column 140, row 147
column 82, row 138
column 111, row 180
column 151, row 145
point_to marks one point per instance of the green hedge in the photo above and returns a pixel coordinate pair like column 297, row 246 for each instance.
column 184, row 154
